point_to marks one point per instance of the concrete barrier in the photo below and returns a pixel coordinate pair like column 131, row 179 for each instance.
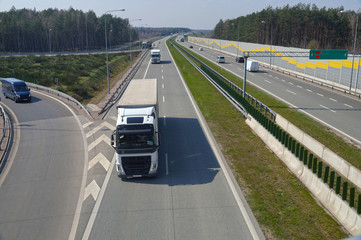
column 327, row 197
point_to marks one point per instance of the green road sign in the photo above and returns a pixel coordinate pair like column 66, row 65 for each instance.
column 328, row 54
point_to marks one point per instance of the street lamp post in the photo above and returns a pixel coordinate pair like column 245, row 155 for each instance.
column 354, row 50
column 270, row 59
column 50, row 40
column 106, row 44
column 130, row 39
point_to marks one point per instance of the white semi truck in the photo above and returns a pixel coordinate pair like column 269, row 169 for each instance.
column 155, row 55
column 136, row 138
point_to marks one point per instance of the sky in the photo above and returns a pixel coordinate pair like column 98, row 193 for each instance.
column 194, row 14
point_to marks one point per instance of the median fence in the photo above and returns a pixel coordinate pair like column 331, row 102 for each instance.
column 334, row 182
column 336, row 73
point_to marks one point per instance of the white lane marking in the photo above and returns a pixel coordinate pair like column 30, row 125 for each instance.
column 270, row 75
column 219, row 157
column 87, row 124
column 162, row 77
column 98, row 201
column 333, row 99
column 99, row 139
column 277, row 77
column 162, row 70
column 309, row 90
column 166, row 164
column 348, row 105
column 290, row 83
column 327, row 108
column 162, row 85
column 267, row 81
column 319, row 94
column 299, row 86
column 290, row 92
column 163, row 99
column 100, row 158
column 92, row 189
column 146, row 71
column 283, row 80
column 100, row 126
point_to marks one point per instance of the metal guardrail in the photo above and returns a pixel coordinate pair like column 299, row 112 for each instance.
column 116, row 95
column 59, row 94
column 262, row 107
column 3, row 114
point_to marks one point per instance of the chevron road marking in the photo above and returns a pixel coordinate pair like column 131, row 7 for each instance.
column 100, row 126
column 87, row 124
column 99, row 159
column 92, row 189
column 96, row 142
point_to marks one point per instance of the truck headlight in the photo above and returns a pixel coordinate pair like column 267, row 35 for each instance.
column 153, row 167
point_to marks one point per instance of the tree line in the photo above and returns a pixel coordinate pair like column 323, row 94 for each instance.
column 302, row 25
column 29, row 30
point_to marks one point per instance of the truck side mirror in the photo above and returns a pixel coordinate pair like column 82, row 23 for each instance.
column 112, row 137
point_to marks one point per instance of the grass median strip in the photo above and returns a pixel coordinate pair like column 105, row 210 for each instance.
column 282, row 206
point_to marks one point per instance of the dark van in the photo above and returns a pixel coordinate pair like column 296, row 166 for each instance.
column 16, row 89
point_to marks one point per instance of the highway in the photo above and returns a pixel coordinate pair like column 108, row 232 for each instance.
column 336, row 110
column 39, row 187
column 191, row 198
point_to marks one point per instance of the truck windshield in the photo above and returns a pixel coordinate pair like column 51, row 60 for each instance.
column 132, row 137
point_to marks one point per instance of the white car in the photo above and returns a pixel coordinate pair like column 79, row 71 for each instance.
column 200, row 49
column 221, row 59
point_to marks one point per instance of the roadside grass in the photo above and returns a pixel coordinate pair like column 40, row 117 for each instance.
column 83, row 77
column 328, row 137
column 280, row 203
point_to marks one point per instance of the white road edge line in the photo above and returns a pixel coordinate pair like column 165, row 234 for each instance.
column 327, row 108
column 218, row 155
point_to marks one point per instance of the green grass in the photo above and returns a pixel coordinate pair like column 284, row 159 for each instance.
column 323, row 134
column 282, row 206
column 81, row 76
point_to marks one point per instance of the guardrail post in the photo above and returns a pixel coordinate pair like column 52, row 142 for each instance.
column 332, row 179
column 319, row 172
column 338, row 184
column 344, row 190
column 290, row 143
column 314, row 167
column 293, row 146
column 310, row 158
column 301, row 153
column 305, row 156
column 352, row 197
column 325, row 177
column 286, row 140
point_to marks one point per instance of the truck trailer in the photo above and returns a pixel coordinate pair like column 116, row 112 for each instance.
column 136, row 138
column 155, row 55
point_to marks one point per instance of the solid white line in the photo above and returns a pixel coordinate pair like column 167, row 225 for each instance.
column 327, row 108
column 146, row 71
column 166, row 164
column 348, row 105
column 290, row 92
column 333, row 99
column 219, row 157
column 319, row 94
column 267, row 81
column 98, row 201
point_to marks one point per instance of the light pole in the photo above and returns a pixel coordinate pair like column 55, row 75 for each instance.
column 106, row 44
column 50, row 40
column 354, row 49
column 130, row 39
column 270, row 58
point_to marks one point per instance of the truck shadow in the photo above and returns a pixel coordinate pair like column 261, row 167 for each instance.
column 185, row 155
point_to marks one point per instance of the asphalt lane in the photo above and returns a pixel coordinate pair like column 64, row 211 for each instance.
column 38, row 197
column 190, row 198
column 338, row 111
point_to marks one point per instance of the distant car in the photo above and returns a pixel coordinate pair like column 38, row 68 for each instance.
column 200, row 49
column 240, row 59
column 221, row 59
column 190, row 46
